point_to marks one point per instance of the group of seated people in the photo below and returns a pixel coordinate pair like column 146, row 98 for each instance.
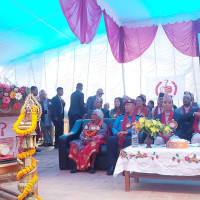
column 84, row 150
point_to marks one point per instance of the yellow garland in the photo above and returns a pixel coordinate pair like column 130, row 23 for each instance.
column 37, row 197
column 27, row 170
column 28, row 187
column 33, row 122
column 26, row 154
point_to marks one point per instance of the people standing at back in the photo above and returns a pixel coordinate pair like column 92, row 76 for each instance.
column 57, row 113
column 91, row 101
column 76, row 110
column 46, row 121
column 118, row 109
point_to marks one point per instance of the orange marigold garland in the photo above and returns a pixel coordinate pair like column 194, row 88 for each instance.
column 92, row 133
column 21, row 156
column 27, row 170
column 28, row 187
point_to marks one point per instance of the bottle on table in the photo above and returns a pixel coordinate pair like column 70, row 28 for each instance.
column 134, row 137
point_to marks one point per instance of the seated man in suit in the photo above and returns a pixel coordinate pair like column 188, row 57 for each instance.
column 187, row 107
column 98, row 105
column 91, row 101
column 173, row 119
column 122, row 134
column 196, row 127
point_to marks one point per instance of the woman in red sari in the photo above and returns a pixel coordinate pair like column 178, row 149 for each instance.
column 83, row 151
column 141, row 108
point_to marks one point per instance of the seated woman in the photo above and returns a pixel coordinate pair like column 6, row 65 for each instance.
column 83, row 151
column 119, row 108
column 141, row 108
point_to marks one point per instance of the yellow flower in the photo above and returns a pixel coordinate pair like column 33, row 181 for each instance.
column 153, row 129
column 142, row 120
column 166, row 129
column 154, row 122
column 12, row 95
column 148, row 124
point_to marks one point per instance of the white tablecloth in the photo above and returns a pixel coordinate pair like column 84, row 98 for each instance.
column 159, row 160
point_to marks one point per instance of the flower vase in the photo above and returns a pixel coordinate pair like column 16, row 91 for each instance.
column 148, row 141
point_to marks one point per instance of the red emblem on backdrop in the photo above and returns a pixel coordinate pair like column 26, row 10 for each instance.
column 166, row 87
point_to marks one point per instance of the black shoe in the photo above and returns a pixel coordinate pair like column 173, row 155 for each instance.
column 43, row 145
column 50, row 144
column 92, row 170
column 38, row 150
column 110, row 171
column 73, row 170
column 56, row 146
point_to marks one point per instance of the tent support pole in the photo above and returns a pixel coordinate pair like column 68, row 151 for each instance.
column 123, row 78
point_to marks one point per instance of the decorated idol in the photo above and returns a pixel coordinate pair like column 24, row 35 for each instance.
column 83, row 151
column 122, row 133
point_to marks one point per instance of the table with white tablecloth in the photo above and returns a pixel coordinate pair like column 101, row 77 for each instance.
column 159, row 161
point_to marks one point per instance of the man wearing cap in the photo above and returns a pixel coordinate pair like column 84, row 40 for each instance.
column 184, row 109
column 91, row 101
column 158, row 109
column 122, row 134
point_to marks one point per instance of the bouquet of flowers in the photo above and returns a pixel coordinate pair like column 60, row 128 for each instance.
column 12, row 97
column 151, row 127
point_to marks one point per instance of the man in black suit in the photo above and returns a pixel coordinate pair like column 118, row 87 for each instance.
column 57, row 113
column 91, row 101
column 98, row 105
column 76, row 110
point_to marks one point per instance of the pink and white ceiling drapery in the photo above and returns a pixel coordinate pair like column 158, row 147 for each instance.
column 127, row 43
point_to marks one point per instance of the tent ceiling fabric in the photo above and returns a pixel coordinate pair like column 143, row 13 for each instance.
column 28, row 27
column 149, row 12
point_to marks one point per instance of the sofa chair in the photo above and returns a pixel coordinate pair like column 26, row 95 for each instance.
column 64, row 145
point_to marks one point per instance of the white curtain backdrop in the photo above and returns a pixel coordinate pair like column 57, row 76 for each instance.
column 95, row 67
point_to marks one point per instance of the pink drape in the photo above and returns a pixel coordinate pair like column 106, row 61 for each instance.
column 184, row 36
column 83, row 17
column 126, row 43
